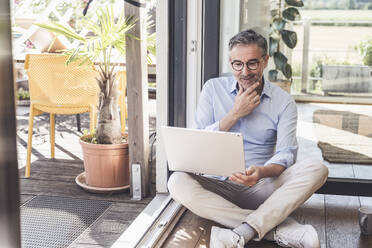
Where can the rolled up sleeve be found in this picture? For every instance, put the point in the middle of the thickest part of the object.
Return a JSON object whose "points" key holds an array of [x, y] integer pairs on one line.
{"points": [[286, 144], [204, 118]]}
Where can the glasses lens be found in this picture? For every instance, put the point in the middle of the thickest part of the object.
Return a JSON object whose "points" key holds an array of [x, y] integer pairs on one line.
{"points": [[237, 65], [252, 65]]}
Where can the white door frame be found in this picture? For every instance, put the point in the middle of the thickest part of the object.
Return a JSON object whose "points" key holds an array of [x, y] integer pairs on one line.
{"points": [[194, 58], [162, 58]]}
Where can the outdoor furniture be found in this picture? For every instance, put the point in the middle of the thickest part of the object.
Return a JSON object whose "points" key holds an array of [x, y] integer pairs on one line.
{"points": [[58, 89], [347, 79]]}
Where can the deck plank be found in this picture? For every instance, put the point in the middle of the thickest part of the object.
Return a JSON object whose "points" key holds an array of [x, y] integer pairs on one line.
{"points": [[363, 171], [340, 170], [54, 169], [187, 232], [342, 227]]}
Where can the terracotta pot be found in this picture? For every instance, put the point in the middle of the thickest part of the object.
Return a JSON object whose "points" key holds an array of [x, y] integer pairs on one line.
{"points": [[106, 166]]}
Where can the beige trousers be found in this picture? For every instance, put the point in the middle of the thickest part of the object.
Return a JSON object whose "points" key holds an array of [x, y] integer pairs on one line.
{"points": [[263, 206]]}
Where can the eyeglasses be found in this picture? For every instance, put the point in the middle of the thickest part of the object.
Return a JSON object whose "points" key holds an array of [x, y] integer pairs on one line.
{"points": [[252, 64]]}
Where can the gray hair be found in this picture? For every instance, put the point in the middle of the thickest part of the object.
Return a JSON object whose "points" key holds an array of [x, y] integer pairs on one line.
{"points": [[248, 37]]}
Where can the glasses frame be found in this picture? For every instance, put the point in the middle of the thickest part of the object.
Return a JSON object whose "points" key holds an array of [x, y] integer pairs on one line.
{"points": [[257, 64]]}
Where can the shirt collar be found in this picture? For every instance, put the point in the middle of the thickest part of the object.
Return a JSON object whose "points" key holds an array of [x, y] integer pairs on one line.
{"points": [[265, 91], [267, 88]]}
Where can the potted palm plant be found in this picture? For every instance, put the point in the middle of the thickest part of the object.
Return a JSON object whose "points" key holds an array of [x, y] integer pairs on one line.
{"points": [[105, 151], [282, 13]]}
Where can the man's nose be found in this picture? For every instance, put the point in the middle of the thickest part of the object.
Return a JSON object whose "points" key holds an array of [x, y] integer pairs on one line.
{"points": [[245, 70]]}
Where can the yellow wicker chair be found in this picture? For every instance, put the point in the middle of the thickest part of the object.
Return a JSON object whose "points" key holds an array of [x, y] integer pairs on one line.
{"points": [[58, 89]]}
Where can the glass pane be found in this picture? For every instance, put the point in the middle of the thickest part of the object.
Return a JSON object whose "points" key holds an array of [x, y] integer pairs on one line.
{"points": [[335, 63], [339, 51]]}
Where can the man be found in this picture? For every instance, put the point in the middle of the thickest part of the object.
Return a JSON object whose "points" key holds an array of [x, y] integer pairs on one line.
{"points": [[255, 204]]}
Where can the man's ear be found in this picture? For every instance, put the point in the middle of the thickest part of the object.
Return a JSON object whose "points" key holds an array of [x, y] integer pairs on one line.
{"points": [[266, 60]]}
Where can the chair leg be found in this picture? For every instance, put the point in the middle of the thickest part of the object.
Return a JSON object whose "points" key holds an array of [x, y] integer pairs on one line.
{"points": [[123, 113], [52, 135], [123, 106], [29, 142], [78, 122], [125, 110]]}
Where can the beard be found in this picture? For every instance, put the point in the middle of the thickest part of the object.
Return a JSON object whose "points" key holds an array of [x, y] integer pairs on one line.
{"points": [[248, 80]]}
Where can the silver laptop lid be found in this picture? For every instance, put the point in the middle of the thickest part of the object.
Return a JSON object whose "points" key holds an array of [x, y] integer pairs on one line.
{"points": [[203, 151]]}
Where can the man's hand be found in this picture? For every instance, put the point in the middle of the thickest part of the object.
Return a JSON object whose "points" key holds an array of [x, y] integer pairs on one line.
{"points": [[254, 173], [250, 178], [246, 101]]}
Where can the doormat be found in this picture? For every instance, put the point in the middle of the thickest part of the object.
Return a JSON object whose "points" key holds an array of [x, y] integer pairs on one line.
{"points": [[343, 136], [50, 221]]}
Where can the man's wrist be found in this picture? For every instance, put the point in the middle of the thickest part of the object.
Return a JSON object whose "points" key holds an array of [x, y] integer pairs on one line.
{"points": [[272, 170], [234, 115], [261, 172]]}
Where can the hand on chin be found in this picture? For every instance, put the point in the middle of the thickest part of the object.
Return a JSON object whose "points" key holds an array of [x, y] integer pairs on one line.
{"points": [[245, 83]]}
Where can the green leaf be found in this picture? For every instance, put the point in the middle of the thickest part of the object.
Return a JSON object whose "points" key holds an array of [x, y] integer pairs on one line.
{"points": [[280, 60], [278, 23], [291, 14], [289, 38], [273, 46], [287, 71], [273, 75], [84, 61], [296, 3]]}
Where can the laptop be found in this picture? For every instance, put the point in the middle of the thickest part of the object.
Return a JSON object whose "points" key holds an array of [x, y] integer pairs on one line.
{"points": [[203, 151]]}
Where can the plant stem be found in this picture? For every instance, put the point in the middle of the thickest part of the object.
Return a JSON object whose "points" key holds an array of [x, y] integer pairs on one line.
{"points": [[109, 71], [280, 16]]}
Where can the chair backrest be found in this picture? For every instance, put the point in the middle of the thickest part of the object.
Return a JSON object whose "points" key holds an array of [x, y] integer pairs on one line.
{"points": [[52, 82], [122, 77]]}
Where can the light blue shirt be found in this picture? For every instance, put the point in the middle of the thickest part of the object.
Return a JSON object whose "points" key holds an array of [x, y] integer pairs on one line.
{"points": [[269, 131]]}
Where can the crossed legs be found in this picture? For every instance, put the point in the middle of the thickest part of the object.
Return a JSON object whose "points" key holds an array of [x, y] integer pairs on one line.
{"points": [[262, 206]]}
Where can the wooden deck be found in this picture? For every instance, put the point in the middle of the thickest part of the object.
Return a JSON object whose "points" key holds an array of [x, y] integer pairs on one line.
{"points": [[57, 177], [334, 217]]}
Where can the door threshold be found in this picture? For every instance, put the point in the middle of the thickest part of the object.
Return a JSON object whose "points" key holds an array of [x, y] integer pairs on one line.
{"points": [[153, 224]]}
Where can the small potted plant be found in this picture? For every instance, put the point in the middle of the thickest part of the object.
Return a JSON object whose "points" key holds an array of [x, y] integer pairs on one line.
{"points": [[282, 13], [105, 151], [365, 50]]}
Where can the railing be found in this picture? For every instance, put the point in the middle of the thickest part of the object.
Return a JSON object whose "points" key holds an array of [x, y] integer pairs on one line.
{"points": [[307, 23]]}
